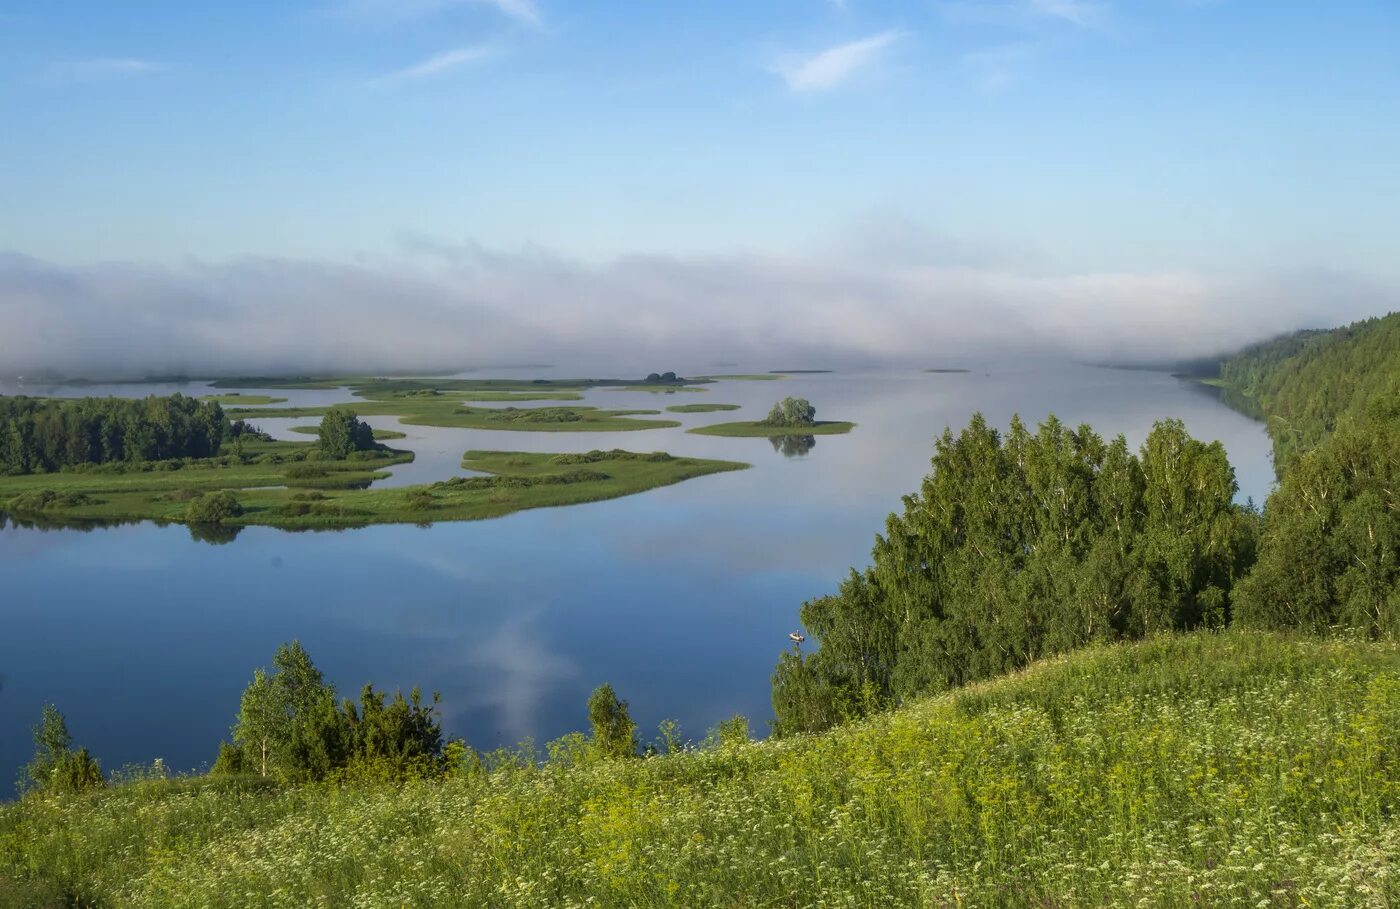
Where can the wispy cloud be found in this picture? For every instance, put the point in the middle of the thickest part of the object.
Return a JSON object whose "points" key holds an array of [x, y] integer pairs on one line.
{"points": [[101, 69], [391, 11], [1079, 12], [438, 64], [1027, 14], [832, 67], [997, 68]]}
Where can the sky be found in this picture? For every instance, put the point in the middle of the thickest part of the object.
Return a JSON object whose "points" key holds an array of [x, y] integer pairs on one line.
{"points": [[1128, 179]]}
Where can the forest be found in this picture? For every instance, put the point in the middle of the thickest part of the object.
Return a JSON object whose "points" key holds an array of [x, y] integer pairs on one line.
{"points": [[1024, 545], [39, 435]]}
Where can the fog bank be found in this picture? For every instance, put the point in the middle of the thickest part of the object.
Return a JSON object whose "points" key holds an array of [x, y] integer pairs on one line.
{"points": [[434, 306]]}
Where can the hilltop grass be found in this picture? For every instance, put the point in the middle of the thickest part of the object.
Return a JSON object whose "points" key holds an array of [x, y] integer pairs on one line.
{"points": [[757, 428], [241, 400], [285, 485], [380, 435], [1211, 769], [701, 408]]}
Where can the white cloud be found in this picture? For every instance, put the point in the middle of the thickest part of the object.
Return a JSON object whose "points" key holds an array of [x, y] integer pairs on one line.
{"points": [[391, 11], [438, 64], [828, 69], [101, 69]]}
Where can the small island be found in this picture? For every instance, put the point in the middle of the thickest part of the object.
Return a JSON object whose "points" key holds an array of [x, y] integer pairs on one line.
{"points": [[789, 417], [701, 408], [236, 399]]}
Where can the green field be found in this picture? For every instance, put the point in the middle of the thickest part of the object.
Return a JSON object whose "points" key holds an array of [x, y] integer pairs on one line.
{"points": [[1214, 769], [700, 408], [235, 399], [757, 429]]}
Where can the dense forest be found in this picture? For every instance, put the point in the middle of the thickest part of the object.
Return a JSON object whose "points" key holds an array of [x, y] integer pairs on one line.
{"points": [[1308, 384], [1023, 545], [39, 435]]}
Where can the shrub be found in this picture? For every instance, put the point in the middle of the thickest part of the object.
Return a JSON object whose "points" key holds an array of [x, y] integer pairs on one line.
{"points": [[213, 508]]}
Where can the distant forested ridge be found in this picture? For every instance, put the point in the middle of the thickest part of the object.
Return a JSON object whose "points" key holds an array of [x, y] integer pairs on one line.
{"points": [[39, 435], [1329, 553], [1305, 385]]}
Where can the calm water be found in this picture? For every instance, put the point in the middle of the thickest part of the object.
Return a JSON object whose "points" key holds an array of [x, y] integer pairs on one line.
{"points": [[681, 597]]}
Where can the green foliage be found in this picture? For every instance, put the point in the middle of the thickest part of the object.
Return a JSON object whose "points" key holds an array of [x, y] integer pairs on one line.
{"points": [[1329, 554], [342, 432], [730, 733], [1308, 384], [614, 733], [1019, 547], [290, 727], [400, 739], [39, 435], [213, 508], [1215, 769], [56, 766], [791, 412]]}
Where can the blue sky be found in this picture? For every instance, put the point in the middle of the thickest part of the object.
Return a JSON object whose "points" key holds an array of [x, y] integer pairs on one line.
{"points": [[1221, 140]]}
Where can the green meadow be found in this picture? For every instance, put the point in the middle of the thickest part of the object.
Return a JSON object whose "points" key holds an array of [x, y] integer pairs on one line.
{"points": [[1211, 769]]}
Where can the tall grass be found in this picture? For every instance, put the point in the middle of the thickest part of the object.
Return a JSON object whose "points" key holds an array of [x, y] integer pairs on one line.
{"points": [[1205, 770]]}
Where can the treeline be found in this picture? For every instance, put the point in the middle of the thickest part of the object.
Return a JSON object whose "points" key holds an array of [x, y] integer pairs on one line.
{"points": [[1329, 553], [39, 435], [1308, 384], [1019, 546]]}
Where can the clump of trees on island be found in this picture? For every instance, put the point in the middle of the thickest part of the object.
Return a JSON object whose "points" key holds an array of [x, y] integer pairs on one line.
{"points": [[662, 378], [342, 433], [791, 412], [40, 435]]}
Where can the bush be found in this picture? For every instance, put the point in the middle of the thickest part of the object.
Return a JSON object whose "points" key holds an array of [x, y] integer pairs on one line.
{"points": [[791, 412], [213, 508]]}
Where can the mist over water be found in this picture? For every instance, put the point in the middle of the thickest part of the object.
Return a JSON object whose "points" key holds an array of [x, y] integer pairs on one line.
{"points": [[680, 597]]}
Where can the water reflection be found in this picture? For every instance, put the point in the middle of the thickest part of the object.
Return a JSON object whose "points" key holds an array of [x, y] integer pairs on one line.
{"points": [[793, 446], [214, 534]]}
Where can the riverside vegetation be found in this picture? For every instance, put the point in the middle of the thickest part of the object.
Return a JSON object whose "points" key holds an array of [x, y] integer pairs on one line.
{"points": [[1073, 675]]}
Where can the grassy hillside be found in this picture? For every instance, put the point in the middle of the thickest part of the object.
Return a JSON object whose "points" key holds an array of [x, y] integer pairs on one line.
{"points": [[1211, 769], [1307, 384]]}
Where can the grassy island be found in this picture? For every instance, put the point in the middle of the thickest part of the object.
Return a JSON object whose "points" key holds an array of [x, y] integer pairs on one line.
{"points": [[235, 399], [284, 485], [380, 435], [701, 408], [450, 412], [760, 429]]}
